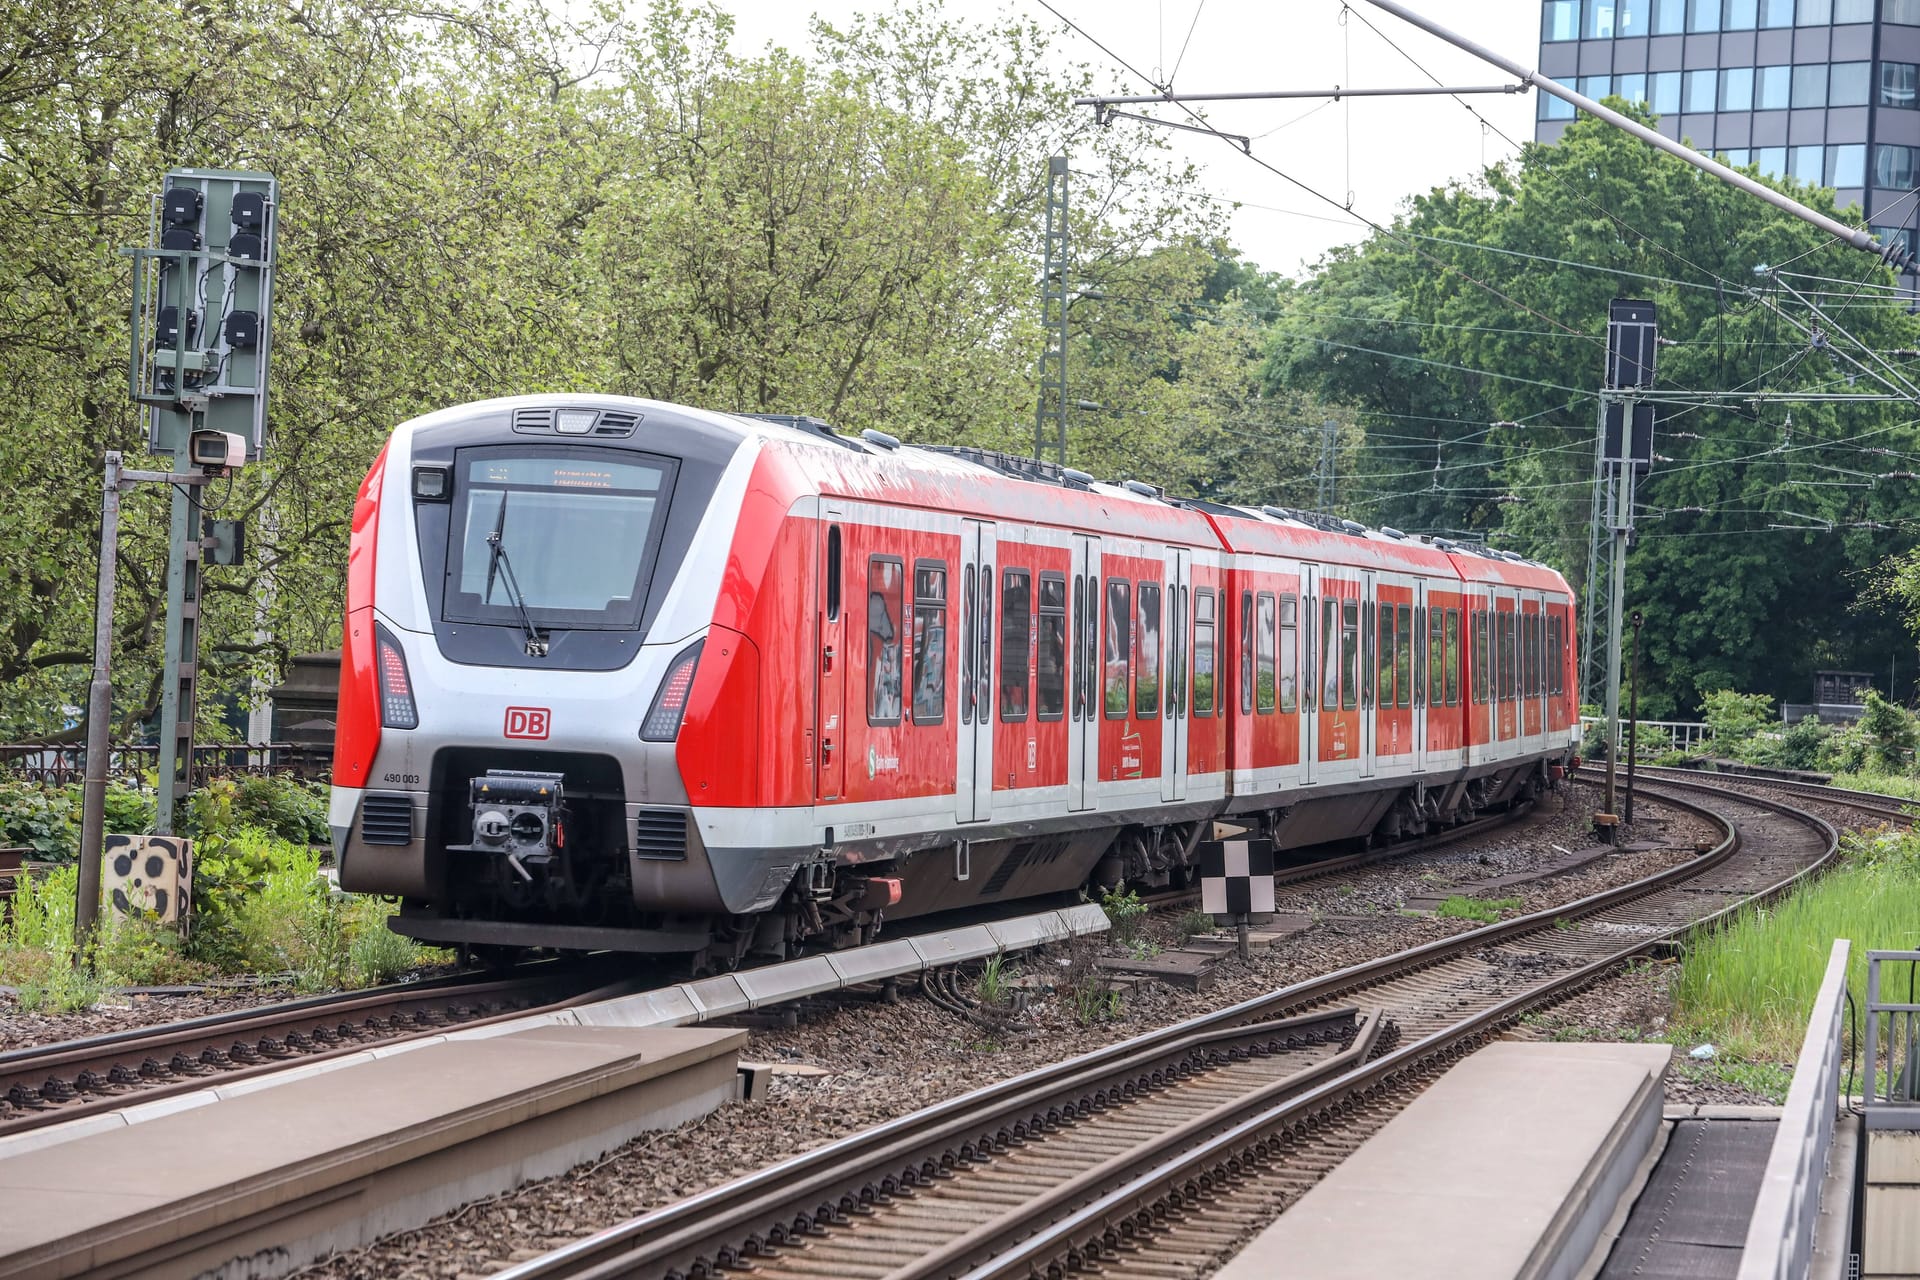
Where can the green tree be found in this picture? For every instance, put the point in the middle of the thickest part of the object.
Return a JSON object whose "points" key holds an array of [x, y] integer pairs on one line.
{"points": [[1470, 339]]}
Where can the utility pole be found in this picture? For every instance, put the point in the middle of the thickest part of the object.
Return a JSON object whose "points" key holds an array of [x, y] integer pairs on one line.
{"points": [[93, 790], [1050, 414]]}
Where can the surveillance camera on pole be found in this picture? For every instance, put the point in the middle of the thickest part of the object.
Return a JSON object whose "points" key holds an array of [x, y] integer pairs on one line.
{"points": [[217, 452]]}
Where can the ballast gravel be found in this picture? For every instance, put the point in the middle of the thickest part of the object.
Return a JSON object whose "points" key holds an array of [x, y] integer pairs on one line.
{"points": [[850, 1054]]}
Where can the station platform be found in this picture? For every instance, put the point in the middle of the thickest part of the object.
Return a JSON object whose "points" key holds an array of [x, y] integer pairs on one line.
{"points": [[270, 1180], [1510, 1165]]}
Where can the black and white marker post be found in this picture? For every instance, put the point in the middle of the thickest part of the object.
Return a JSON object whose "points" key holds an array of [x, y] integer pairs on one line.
{"points": [[1236, 882]]}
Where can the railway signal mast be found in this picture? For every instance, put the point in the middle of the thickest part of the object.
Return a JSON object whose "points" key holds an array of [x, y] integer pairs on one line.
{"points": [[201, 333], [1625, 453]]}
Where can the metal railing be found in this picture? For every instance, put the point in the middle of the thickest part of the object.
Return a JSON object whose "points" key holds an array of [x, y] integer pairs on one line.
{"points": [[61, 764], [1656, 737], [1780, 1234], [1891, 1072]]}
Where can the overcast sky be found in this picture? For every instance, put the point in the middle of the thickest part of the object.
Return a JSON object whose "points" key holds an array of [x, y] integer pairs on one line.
{"points": [[1382, 150]]}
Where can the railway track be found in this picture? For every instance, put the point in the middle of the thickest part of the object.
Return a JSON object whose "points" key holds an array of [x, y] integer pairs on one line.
{"points": [[1154, 1156], [1873, 804], [1322, 868], [54, 1083]]}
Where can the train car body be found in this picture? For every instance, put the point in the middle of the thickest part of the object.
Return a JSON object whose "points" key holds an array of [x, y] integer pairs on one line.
{"points": [[622, 674]]}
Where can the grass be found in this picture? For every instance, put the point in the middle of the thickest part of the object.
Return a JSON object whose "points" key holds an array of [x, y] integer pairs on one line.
{"points": [[1126, 913], [1484, 910], [260, 906], [1750, 987], [994, 985], [1886, 784], [1195, 924]]}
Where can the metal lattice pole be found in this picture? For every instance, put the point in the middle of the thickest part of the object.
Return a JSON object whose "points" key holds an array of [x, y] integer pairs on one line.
{"points": [[1050, 414]]}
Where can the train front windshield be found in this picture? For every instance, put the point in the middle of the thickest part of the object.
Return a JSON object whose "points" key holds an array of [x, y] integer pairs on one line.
{"points": [[568, 533]]}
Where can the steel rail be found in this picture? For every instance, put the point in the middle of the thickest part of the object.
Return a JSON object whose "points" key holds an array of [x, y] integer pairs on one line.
{"points": [[1869, 801], [1112, 1215], [72, 1080], [845, 1176]]}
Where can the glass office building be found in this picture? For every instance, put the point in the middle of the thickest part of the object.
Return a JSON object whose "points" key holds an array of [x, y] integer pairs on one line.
{"points": [[1823, 91]]}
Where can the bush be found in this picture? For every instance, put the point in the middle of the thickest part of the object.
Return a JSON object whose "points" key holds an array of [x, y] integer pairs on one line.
{"points": [[1891, 734], [377, 954], [283, 807], [42, 819], [1737, 720], [1800, 746], [1125, 914]]}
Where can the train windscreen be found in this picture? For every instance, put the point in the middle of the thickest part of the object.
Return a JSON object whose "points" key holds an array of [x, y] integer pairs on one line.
{"points": [[565, 534]]}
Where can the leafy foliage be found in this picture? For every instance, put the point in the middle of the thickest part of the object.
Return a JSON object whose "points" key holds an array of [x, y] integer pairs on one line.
{"points": [[1469, 341]]}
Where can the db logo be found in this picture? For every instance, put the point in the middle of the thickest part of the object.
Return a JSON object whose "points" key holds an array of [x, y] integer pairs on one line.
{"points": [[528, 722]]}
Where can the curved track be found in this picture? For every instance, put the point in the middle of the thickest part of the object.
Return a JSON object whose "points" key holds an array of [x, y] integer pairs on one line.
{"points": [[973, 1187], [66, 1081]]}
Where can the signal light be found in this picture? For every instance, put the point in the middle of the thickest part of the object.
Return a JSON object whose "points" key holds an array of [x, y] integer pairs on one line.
{"points": [[243, 330], [396, 686], [670, 704], [245, 244], [249, 211], [180, 206], [167, 330]]}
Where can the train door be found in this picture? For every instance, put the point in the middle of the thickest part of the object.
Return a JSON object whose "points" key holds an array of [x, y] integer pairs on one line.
{"points": [[1370, 696], [1506, 666], [973, 784], [1534, 721], [1178, 622], [1308, 676], [1083, 736], [830, 685], [1419, 648]]}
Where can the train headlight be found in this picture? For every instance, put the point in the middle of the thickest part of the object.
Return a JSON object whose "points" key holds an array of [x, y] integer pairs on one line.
{"points": [[396, 686], [670, 704]]}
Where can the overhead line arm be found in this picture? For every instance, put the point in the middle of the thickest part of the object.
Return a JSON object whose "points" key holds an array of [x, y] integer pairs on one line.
{"points": [[1856, 237]]}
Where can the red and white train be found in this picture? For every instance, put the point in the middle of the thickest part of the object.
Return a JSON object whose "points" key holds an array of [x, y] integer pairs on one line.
{"points": [[628, 675]]}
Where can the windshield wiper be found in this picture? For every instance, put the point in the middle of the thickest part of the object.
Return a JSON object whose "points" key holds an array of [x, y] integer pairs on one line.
{"points": [[497, 560]]}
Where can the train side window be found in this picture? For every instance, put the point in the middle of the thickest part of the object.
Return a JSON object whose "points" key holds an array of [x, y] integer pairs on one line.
{"points": [[1366, 654], [929, 641], [1146, 678], [1451, 663], [1403, 657], [1309, 684], [1016, 621], [1480, 655], [1118, 651], [1265, 677], [1349, 655], [1246, 653], [1436, 657], [1329, 653], [1556, 655], [1420, 655], [969, 586], [1385, 655], [1050, 675], [1505, 660], [1204, 655], [833, 573], [886, 584], [1091, 640], [1288, 679]]}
